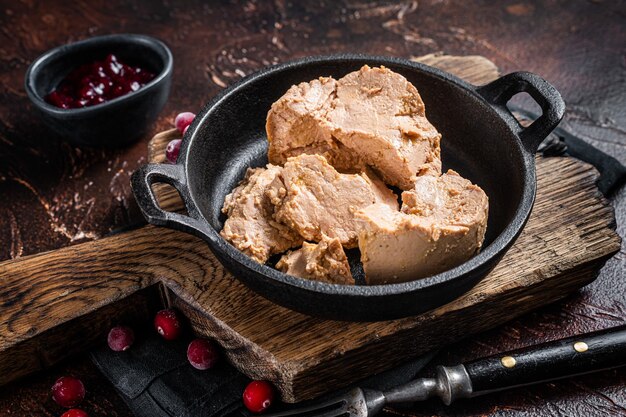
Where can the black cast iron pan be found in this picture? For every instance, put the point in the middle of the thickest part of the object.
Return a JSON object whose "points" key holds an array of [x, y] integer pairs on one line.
{"points": [[481, 140]]}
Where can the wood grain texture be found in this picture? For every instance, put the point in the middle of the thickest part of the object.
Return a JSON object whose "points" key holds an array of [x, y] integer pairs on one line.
{"points": [[56, 304], [46, 346], [474, 69]]}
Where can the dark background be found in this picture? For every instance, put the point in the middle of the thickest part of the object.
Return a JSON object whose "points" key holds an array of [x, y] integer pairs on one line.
{"points": [[53, 195]]}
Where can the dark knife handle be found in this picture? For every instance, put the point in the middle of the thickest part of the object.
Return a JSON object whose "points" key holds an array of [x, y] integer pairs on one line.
{"points": [[548, 361]]}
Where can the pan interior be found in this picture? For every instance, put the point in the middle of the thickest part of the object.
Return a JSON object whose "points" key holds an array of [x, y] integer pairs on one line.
{"points": [[475, 141]]}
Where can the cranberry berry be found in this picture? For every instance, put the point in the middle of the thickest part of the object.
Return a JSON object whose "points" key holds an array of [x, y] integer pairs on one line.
{"points": [[183, 120], [75, 412], [172, 150], [258, 396], [68, 391], [167, 324], [202, 354], [120, 338]]}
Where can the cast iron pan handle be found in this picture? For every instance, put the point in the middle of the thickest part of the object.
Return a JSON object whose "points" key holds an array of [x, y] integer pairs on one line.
{"points": [[141, 182], [500, 91]]}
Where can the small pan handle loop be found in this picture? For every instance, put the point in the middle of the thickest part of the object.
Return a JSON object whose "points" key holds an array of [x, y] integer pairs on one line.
{"points": [[500, 91], [141, 182]]}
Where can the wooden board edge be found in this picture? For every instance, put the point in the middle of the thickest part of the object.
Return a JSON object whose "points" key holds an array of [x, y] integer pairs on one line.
{"points": [[10, 276], [83, 332]]}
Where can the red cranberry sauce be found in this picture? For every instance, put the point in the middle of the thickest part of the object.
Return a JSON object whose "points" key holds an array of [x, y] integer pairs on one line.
{"points": [[97, 82]]}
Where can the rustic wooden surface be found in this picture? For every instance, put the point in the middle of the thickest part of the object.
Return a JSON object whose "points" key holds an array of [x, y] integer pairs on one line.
{"points": [[57, 195]]}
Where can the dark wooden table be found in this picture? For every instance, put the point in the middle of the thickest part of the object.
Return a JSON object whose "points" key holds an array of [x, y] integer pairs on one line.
{"points": [[53, 194]]}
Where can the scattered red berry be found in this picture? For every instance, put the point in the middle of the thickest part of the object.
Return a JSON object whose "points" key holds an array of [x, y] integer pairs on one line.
{"points": [[167, 324], [120, 338], [202, 354], [185, 130], [183, 120], [75, 412], [172, 150], [68, 391], [258, 396]]}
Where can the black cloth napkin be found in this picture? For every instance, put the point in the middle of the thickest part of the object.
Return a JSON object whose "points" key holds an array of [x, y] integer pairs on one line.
{"points": [[155, 380]]}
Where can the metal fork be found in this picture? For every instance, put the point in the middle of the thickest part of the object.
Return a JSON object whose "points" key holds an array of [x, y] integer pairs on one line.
{"points": [[549, 361], [450, 383]]}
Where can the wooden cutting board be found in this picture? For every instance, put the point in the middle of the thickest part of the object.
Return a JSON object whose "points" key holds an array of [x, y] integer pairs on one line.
{"points": [[55, 304]]}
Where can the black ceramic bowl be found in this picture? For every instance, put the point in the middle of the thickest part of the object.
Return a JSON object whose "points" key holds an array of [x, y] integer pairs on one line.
{"points": [[481, 140], [116, 122]]}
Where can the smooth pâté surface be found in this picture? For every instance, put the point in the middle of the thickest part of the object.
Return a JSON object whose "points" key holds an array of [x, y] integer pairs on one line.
{"points": [[56, 195]]}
